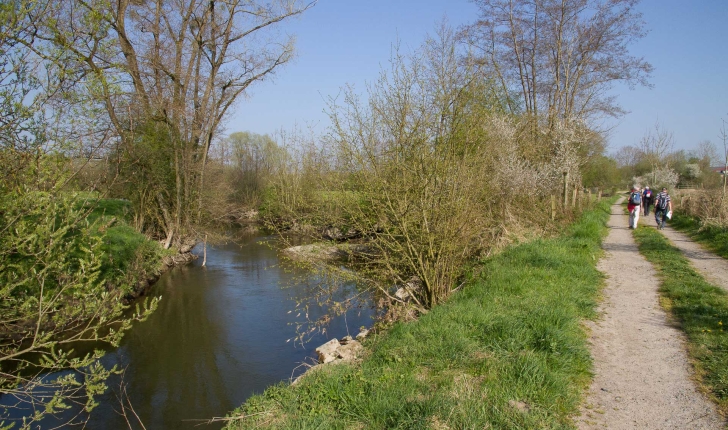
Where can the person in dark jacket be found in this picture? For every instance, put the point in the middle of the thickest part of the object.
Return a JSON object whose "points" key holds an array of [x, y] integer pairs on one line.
{"points": [[663, 205], [647, 200]]}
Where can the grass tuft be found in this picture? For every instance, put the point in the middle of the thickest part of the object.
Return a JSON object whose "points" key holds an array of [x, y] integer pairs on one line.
{"points": [[700, 307], [508, 351]]}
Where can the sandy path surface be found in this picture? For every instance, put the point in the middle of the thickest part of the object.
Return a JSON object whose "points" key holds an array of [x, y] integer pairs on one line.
{"points": [[642, 375], [714, 268]]}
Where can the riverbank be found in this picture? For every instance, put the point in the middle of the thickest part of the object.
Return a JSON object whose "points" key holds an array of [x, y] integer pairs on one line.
{"points": [[132, 263], [508, 350]]}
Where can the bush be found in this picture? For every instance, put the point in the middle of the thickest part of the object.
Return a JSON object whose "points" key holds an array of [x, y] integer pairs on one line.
{"points": [[53, 289], [708, 206]]}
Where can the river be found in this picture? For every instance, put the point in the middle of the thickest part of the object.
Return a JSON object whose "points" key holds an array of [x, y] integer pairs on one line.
{"points": [[220, 334]]}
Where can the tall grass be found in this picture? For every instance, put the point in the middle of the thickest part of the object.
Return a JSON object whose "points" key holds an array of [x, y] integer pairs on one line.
{"points": [[700, 307], [508, 351]]}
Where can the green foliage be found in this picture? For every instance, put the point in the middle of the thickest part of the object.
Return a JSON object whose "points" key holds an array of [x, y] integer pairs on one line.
{"points": [[432, 172], [700, 307], [601, 171], [129, 257], [513, 334], [46, 246], [56, 283], [254, 158], [148, 172]]}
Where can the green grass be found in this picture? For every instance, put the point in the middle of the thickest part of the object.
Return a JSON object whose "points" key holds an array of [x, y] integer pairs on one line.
{"points": [[700, 307], [513, 334], [713, 237], [129, 256], [108, 208]]}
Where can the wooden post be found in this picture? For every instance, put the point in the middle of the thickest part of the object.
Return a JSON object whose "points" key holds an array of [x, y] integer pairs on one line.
{"points": [[580, 196], [599, 196], [553, 207], [566, 189], [589, 201], [573, 198]]}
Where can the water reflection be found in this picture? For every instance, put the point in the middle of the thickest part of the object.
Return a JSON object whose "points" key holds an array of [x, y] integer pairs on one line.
{"points": [[218, 336]]}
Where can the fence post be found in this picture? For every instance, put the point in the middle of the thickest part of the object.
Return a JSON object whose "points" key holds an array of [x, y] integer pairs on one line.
{"points": [[580, 196], [553, 207]]}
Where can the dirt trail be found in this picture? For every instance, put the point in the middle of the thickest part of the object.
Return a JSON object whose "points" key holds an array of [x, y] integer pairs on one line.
{"points": [[713, 267], [642, 375]]}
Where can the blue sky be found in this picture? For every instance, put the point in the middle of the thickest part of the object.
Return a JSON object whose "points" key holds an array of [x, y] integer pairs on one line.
{"points": [[342, 42]]}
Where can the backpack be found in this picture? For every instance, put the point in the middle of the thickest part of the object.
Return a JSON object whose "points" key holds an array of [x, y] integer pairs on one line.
{"points": [[648, 194], [635, 199], [662, 202]]}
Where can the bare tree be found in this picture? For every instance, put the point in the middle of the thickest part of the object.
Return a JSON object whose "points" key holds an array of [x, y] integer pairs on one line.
{"points": [[723, 136], [628, 156], [706, 151], [167, 73], [656, 144], [560, 58]]}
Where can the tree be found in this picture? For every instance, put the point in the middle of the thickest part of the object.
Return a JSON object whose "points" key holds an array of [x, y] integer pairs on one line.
{"points": [[561, 57], [255, 158], [167, 74], [656, 145], [706, 153], [723, 135], [433, 172], [601, 171]]}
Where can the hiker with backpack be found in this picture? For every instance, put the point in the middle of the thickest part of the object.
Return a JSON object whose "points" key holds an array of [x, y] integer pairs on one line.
{"points": [[634, 205], [647, 200], [663, 208]]}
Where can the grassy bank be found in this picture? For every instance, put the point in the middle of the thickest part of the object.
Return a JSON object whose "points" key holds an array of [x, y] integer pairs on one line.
{"points": [[128, 256], [713, 237], [700, 307], [508, 351]]}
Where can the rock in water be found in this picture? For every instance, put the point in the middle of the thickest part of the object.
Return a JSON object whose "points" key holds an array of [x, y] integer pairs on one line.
{"points": [[349, 351], [327, 351]]}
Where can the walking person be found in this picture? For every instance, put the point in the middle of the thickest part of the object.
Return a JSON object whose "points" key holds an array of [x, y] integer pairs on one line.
{"points": [[634, 205], [663, 206], [647, 200]]}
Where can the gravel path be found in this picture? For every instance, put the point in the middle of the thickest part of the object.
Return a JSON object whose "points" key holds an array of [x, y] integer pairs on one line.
{"points": [[642, 375], [714, 268]]}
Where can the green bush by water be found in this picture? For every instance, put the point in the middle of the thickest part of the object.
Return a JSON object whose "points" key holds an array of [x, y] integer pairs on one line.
{"points": [[508, 351], [128, 256], [700, 307]]}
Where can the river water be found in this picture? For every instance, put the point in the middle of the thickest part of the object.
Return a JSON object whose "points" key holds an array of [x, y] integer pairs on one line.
{"points": [[218, 336]]}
